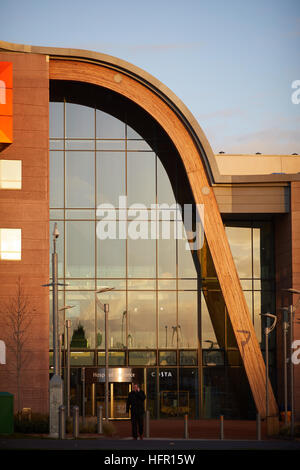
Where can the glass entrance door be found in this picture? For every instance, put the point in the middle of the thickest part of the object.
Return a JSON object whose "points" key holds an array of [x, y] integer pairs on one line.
{"points": [[118, 392]]}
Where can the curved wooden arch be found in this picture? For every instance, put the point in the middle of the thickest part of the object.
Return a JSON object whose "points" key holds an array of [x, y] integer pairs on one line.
{"points": [[138, 92]]}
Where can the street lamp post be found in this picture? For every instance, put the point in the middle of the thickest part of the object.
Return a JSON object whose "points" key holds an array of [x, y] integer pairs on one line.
{"points": [[56, 384], [292, 309], [67, 369], [285, 329], [105, 308], [267, 332]]}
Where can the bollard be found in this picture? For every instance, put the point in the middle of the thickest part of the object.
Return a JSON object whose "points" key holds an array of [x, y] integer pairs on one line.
{"points": [[147, 423], [75, 422], [258, 427], [62, 422], [221, 427], [186, 429], [100, 419]]}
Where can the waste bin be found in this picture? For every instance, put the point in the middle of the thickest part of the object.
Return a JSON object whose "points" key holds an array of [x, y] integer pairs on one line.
{"points": [[6, 413]]}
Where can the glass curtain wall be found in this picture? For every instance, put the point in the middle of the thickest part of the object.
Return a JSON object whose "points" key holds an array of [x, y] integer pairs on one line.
{"points": [[165, 315]]}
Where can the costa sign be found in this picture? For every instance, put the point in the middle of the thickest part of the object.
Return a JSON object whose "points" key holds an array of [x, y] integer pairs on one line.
{"points": [[6, 103]]}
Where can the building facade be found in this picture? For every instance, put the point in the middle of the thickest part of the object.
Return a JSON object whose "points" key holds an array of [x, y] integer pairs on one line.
{"points": [[111, 156]]}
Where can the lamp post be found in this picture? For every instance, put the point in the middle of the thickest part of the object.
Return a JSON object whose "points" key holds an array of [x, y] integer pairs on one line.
{"points": [[267, 332], [285, 329], [68, 370], [56, 384], [105, 308], [292, 309]]}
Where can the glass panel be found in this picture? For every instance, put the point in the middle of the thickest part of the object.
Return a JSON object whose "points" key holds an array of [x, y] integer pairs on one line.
{"points": [[141, 319], [56, 214], [80, 180], [80, 144], [116, 283], [111, 256], [240, 243], [114, 358], [138, 145], [56, 117], [110, 177], [117, 318], [108, 127], [187, 284], [80, 121], [82, 214], [214, 392], [166, 285], [267, 251], [142, 358], [256, 253], [110, 145], [186, 265], [142, 256], [187, 331], [188, 358], [141, 178], [167, 250], [188, 392], [165, 191], [168, 392], [167, 320], [56, 144], [56, 162], [81, 358], [151, 392], [86, 284], [80, 249], [144, 284], [213, 357], [82, 317], [167, 358]]}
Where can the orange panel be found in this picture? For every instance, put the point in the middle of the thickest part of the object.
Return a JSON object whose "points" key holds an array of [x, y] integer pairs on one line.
{"points": [[6, 103], [6, 129], [6, 73]]}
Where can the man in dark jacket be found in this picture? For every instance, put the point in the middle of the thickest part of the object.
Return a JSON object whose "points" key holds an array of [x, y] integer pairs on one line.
{"points": [[135, 403]]}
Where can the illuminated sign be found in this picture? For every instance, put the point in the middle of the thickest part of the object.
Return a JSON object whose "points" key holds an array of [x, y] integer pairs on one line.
{"points": [[6, 103]]}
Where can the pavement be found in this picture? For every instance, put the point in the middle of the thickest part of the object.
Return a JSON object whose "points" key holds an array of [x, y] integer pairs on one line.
{"points": [[165, 435]]}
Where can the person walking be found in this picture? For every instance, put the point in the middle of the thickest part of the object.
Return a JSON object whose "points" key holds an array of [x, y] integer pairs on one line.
{"points": [[135, 403]]}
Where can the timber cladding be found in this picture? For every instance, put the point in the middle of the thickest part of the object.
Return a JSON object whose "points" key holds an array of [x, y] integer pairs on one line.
{"points": [[162, 112]]}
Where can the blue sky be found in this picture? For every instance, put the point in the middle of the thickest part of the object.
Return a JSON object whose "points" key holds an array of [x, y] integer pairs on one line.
{"points": [[231, 62]]}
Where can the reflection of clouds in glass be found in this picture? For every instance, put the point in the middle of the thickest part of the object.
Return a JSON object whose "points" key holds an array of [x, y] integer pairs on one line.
{"points": [[142, 319], [240, 243], [188, 319]]}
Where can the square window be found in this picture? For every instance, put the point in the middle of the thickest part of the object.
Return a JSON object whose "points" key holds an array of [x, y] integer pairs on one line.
{"points": [[10, 244], [10, 174]]}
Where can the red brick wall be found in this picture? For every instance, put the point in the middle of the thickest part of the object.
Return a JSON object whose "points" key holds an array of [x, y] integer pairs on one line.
{"points": [[28, 209]]}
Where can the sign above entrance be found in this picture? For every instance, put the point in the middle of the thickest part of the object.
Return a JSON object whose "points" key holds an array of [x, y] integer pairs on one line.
{"points": [[116, 374]]}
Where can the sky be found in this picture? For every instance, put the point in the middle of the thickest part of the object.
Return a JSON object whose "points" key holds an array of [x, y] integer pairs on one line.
{"points": [[231, 62]]}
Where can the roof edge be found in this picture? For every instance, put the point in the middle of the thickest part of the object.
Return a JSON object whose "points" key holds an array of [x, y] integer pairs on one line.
{"points": [[165, 93]]}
